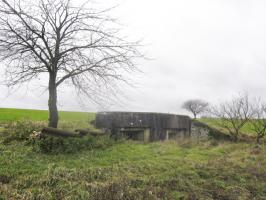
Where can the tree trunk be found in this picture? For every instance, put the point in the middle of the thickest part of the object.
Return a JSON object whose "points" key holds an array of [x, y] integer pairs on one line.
{"points": [[258, 139], [195, 115], [52, 102], [235, 136]]}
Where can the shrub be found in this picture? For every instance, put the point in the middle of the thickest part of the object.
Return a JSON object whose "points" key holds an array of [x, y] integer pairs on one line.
{"points": [[29, 132], [51, 144], [21, 130]]}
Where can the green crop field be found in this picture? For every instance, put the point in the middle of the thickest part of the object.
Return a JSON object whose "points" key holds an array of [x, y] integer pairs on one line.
{"points": [[67, 119], [10, 114]]}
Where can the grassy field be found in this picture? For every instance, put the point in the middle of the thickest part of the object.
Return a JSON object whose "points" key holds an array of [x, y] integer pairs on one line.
{"points": [[11, 114], [80, 119], [130, 170], [67, 120], [126, 170], [212, 122]]}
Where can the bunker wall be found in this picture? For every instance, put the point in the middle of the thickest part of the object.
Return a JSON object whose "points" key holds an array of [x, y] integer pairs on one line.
{"points": [[159, 124]]}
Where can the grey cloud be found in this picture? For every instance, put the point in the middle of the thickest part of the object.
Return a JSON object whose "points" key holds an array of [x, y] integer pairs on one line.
{"points": [[200, 49]]}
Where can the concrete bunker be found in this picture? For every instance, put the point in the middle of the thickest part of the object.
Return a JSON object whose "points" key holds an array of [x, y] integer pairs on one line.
{"points": [[144, 126]]}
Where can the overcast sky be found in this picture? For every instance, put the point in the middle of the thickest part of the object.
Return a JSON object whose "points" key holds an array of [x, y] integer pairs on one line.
{"points": [[207, 49]]}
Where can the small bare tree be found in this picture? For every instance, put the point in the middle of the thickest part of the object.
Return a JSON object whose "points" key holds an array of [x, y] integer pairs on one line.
{"points": [[258, 123], [195, 106], [79, 46], [233, 115]]}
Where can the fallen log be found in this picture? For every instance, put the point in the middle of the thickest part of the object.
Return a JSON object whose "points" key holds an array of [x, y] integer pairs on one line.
{"points": [[82, 131], [59, 132], [89, 132], [96, 133]]}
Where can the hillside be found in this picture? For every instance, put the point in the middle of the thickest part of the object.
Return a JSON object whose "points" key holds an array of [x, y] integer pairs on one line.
{"points": [[215, 123], [127, 170]]}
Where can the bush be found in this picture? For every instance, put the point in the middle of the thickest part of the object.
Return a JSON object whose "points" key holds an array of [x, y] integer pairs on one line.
{"points": [[29, 132], [51, 144], [21, 130]]}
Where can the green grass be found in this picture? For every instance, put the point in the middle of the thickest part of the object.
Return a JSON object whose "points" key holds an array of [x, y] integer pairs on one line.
{"points": [[215, 123], [131, 170], [11, 114], [67, 119], [126, 170]]}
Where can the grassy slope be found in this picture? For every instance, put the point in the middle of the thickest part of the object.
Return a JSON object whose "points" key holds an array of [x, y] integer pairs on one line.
{"points": [[128, 170], [215, 124], [192, 170]]}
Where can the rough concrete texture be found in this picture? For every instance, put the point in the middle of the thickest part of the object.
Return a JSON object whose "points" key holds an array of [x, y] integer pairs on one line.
{"points": [[199, 131], [149, 126]]}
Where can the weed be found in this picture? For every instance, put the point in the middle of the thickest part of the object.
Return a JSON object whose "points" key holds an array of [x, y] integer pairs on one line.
{"points": [[51, 144], [21, 130]]}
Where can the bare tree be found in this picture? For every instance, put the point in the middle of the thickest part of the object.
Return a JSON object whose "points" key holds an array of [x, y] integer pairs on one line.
{"points": [[75, 45], [233, 115], [258, 123], [195, 106]]}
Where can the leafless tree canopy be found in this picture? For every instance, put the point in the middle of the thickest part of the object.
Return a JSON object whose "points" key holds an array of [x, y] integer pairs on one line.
{"points": [[79, 45], [258, 122], [233, 115], [195, 106]]}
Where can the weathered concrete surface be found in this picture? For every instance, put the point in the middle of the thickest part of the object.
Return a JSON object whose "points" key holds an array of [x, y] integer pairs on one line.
{"points": [[153, 126], [199, 129]]}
